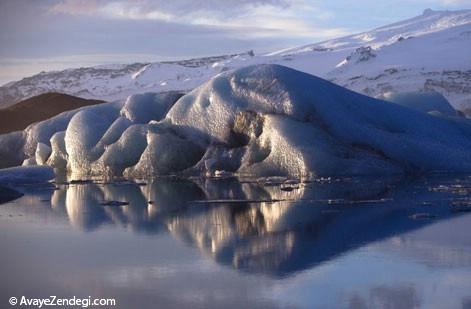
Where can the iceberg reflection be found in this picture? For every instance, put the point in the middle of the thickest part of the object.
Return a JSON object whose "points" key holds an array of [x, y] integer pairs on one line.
{"points": [[261, 227]]}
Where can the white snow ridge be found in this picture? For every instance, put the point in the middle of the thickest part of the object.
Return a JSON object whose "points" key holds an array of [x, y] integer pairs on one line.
{"points": [[261, 120]]}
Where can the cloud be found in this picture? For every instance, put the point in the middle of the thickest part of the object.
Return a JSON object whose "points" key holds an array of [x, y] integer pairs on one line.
{"points": [[176, 7], [456, 2], [268, 22], [250, 18], [77, 7]]}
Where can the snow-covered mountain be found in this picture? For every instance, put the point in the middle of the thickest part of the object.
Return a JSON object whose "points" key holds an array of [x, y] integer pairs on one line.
{"points": [[427, 52], [439, 61]]}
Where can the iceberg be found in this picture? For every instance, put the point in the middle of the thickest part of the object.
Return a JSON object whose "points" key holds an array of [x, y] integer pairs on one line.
{"points": [[8, 194], [26, 175], [429, 102], [261, 120]]}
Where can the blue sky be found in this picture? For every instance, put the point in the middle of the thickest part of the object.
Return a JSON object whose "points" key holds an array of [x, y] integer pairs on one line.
{"points": [[55, 34]]}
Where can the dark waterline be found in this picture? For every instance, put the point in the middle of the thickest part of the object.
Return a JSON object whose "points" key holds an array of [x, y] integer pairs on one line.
{"points": [[210, 243]]}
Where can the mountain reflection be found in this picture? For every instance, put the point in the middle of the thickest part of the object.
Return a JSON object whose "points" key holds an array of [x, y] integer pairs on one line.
{"points": [[261, 228]]}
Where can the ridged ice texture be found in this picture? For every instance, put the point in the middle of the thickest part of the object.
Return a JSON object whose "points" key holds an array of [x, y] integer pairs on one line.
{"points": [[260, 120]]}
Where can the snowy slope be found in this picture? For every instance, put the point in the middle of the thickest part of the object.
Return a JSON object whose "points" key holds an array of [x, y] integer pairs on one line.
{"points": [[262, 120], [113, 82], [439, 61], [427, 52], [429, 22]]}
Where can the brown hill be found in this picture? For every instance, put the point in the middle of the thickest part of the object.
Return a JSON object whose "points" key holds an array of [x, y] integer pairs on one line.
{"points": [[20, 115]]}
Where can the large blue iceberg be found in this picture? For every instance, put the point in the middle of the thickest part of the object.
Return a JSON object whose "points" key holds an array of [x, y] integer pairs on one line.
{"points": [[261, 120]]}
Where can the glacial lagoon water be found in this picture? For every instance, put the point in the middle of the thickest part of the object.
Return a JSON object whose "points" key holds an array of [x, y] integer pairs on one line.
{"points": [[212, 243]]}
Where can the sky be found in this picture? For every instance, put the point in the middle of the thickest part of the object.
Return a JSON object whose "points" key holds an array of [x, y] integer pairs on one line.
{"points": [[43, 35]]}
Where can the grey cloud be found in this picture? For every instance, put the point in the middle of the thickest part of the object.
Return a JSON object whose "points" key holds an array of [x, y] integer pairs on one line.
{"points": [[220, 7]]}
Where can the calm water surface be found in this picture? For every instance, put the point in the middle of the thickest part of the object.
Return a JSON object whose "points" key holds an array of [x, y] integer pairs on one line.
{"points": [[225, 243]]}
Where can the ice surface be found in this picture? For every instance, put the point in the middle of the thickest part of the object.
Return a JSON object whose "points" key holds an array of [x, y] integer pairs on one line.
{"points": [[43, 152], [142, 108], [82, 136], [429, 102], [11, 149], [58, 157], [166, 153], [26, 174], [125, 152], [262, 120]]}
